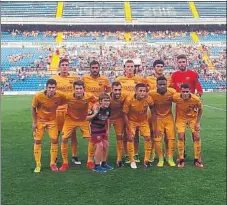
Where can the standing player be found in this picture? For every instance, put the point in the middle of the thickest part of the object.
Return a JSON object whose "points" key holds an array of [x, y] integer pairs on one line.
{"points": [[135, 115], [65, 85], [78, 103], [116, 119], [44, 106], [128, 82], [158, 66], [100, 127], [188, 113], [95, 84], [163, 97], [184, 75]]}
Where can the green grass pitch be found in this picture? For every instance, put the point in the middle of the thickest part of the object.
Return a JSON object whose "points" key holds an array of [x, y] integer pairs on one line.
{"points": [[78, 185]]}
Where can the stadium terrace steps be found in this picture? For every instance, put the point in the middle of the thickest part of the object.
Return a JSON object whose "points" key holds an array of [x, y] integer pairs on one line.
{"points": [[112, 9]]}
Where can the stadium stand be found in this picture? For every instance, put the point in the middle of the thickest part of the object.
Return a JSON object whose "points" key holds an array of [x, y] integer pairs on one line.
{"points": [[28, 9], [27, 68]]}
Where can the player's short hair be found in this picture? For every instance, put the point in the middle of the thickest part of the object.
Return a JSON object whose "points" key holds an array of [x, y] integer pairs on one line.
{"points": [[140, 85], [94, 62], [116, 83], [79, 83], [104, 96], [63, 60], [156, 62], [182, 56], [51, 82], [184, 85], [128, 61], [162, 77]]}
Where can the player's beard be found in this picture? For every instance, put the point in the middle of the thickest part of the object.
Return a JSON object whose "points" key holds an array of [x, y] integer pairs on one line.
{"points": [[95, 74], [182, 68], [162, 91], [185, 96], [117, 96]]}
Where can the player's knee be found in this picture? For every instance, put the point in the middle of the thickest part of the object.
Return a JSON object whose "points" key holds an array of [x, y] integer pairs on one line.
{"points": [[37, 141], [181, 136], [99, 146], [119, 137], [195, 136], [147, 139], [54, 141], [64, 140]]}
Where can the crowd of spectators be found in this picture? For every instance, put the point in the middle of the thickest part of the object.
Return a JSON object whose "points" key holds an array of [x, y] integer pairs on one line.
{"points": [[136, 36]]}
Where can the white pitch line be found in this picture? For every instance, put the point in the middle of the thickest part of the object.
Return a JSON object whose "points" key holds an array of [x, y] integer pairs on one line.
{"points": [[216, 108]]}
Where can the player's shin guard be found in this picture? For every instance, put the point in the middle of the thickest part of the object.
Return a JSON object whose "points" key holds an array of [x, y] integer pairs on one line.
{"points": [[171, 147], [130, 147], [197, 149], [64, 152], [91, 151], [158, 148], [119, 150], [53, 153], [37, 154], [166, 147], [74, 146], [180, 146], [152, 155], [147, 150]]}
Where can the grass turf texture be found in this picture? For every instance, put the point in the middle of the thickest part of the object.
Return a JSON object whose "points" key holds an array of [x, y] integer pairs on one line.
{"points": [[78, 185]]}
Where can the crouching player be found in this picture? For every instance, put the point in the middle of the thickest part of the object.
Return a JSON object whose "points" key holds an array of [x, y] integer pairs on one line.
{"points": [[188, 113], [78, 103], [100, 131], [135, 115], [44, 106]]}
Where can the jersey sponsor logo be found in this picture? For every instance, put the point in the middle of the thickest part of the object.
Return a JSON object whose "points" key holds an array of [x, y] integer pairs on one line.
{"points": [[65, 88]]}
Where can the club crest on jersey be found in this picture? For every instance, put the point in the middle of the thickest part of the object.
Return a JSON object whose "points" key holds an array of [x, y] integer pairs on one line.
{"points": [[187, 78], [71, 81], [100, 83]]}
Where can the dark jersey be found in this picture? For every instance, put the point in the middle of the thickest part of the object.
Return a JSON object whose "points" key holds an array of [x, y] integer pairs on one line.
{"points": [[99, 122]]}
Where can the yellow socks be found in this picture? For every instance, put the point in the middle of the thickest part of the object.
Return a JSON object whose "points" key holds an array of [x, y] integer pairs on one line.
{"points": [[130, 147], [53, 153], [64, 152], [158, 148], [74, 146], [197, 149], [91, 150], [147, 150], [180, 145], [171, 147], [119, 150], [37, 154]]}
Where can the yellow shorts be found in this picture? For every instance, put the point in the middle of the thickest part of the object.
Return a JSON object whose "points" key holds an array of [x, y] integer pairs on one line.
{"points": [[182, 124], [70, 125], [49, 126], [143, 127], [60, 117], [165, 126], [118, 126]]}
